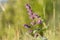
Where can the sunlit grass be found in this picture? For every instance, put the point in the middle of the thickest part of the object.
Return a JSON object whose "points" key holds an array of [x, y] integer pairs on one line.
{"points": [[15, 16]]}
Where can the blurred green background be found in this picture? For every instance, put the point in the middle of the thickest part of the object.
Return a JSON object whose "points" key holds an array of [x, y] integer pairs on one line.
{"points": [[13, 15]]}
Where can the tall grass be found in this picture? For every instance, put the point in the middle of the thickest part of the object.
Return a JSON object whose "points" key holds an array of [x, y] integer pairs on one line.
{"points": [[15, 15]]}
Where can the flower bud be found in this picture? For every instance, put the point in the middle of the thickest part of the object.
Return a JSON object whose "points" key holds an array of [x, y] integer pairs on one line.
{"points": [[27, 26], [36, 16], [39, 21], [28, 6]]}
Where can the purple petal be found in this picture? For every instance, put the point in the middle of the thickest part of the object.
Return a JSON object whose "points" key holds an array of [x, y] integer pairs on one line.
{"points": [[28, 6], [29, 9], [30, 12], [31, 17]]}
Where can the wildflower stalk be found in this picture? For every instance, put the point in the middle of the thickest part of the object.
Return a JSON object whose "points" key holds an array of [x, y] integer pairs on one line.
{"points": [[36, 20]]}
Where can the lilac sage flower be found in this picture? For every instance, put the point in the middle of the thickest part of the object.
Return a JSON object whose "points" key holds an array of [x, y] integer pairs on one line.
{"points": [[29, 9], [36, 19], [30, 12]]}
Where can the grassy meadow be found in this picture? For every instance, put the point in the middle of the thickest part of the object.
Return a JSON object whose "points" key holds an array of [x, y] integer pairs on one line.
{"points": [[15, 16]]}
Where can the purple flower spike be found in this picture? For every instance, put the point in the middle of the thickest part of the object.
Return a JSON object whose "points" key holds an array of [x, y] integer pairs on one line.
{"points": [[29, 9], [27, 26]]}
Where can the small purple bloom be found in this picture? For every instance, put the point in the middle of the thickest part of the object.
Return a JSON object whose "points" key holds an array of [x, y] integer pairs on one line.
{"points": [[27, 26], [30, 12], [28, 6], [39, 21], [31, 17]]}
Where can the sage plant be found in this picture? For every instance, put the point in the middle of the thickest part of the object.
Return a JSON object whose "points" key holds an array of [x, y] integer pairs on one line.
{"points": [[36, 26]]}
